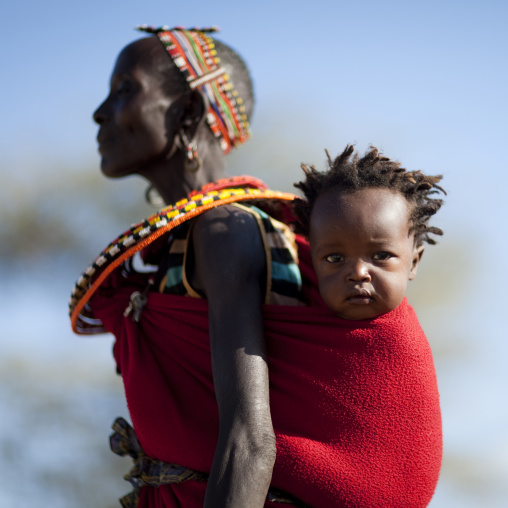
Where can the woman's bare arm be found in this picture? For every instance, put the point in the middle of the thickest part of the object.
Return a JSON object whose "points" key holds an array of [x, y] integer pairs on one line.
{"points": [[230, 269]]}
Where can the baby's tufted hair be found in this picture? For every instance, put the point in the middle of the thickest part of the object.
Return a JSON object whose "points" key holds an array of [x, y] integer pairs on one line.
{"points": [[350, 173]]}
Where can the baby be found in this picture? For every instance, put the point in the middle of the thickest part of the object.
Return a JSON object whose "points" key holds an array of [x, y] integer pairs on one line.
{"points": [[367, 220]]}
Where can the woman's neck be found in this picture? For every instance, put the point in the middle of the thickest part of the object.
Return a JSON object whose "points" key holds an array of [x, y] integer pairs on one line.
{"points": [[170, 179]]}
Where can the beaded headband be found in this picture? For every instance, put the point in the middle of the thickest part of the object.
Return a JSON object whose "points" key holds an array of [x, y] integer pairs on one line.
{"points": [[194, 53]]}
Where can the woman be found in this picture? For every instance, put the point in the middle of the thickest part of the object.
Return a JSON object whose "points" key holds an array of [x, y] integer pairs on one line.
{"points": [[184, 292], [174, 131]]}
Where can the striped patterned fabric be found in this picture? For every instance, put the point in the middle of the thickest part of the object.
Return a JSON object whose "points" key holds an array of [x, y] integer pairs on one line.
{"points": [[172, 264], [284, 281]]}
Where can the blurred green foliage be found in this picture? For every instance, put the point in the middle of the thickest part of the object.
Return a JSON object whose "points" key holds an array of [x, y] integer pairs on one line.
{"points": [[67, 213]]}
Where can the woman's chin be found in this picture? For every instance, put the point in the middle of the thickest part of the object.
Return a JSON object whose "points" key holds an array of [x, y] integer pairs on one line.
{"points": [[113, 171]]}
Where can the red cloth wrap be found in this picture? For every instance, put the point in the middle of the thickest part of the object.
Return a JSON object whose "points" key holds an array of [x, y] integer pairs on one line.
{"points": [[355, 404]]}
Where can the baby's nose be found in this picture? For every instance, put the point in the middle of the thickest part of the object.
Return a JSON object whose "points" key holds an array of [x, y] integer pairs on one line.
{"points": [[359, 272]]}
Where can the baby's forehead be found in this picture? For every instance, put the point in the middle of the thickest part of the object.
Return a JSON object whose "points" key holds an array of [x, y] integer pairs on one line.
{"points": [[368, 205], [367, 198]]}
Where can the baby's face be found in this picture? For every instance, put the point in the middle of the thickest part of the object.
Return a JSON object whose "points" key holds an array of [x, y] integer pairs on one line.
{"points": [[362, 251]]}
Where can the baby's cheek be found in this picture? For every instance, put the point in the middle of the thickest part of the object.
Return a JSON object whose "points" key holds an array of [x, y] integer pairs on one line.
{"points": [[395, 294], [330, 292]]}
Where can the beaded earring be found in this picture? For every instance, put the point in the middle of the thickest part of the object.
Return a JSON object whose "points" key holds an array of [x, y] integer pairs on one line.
{"points": [[192, 162]]}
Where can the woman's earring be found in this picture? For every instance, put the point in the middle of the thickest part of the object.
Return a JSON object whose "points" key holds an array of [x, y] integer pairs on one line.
{"points": [[192, 161], [152, 197]]}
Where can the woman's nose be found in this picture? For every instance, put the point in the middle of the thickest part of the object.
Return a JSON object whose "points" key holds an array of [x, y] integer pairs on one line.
{"points": [[100, 114], [359, 272]]}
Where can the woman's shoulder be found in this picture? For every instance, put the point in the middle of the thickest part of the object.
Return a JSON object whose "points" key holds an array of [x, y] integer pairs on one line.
{"points": [[227, 229]]}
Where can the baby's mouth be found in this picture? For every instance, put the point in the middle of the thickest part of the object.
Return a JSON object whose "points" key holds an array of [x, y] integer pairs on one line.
{"points": [[360, 297]]}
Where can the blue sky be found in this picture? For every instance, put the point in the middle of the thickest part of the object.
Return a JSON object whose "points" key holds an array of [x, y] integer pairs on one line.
{"points": [[426, 81], [422, 79]]}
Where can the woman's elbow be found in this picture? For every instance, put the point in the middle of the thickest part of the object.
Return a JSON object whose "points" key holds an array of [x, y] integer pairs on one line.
{"points": [[264, 451]]}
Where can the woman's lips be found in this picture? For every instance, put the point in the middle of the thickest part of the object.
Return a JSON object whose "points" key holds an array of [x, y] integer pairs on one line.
{"points": [[104, 143]]}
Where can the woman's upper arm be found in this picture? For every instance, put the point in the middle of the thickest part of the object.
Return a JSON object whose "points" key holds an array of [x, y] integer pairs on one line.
{"points": [[230, 270]]}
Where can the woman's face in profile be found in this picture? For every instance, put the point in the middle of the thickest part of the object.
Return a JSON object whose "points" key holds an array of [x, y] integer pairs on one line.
{"points": [[133, 119]]}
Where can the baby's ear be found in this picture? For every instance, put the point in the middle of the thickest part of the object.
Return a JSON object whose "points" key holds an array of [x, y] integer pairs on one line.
{"points": [[417, 255]]}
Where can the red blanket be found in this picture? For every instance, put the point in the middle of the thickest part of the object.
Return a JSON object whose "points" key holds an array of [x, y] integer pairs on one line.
{"points": [[355, 404]]}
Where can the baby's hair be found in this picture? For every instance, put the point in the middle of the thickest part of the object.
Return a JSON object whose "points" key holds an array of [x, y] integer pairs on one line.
{"points": [[350, 173]]}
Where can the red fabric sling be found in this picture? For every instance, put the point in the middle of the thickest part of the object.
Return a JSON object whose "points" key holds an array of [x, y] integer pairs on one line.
{"points": [[355, 404]]}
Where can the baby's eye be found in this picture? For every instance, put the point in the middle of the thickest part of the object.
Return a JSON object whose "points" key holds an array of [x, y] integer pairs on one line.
{"points": [[334, 258], [381, 256]]}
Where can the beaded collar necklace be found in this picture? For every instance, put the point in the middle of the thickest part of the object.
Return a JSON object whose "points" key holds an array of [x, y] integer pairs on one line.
{"points": [[139, 236], [194, 53]]}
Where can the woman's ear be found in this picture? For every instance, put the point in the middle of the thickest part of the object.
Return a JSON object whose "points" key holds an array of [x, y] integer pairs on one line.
{"points": [[185, 116], [195, 108], [417, 255]]}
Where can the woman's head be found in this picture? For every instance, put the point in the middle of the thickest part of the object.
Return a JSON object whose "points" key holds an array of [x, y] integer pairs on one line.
{"points": [[164, 102]]}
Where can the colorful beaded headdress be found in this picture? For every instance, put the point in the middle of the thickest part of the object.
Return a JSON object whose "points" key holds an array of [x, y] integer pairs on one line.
{"points": [[195, 55]]}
